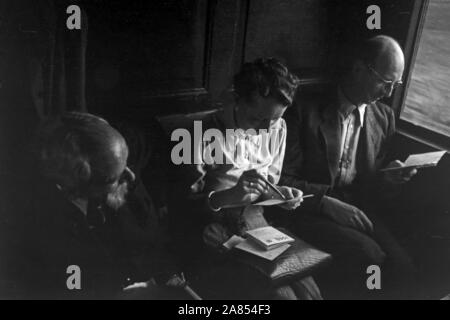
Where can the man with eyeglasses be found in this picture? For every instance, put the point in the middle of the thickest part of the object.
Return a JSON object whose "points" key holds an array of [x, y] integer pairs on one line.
{"points": [[336, 145]]}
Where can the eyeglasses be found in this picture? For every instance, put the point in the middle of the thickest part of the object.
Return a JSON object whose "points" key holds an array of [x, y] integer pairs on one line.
{"points": [[126, 175], [392, 84]]}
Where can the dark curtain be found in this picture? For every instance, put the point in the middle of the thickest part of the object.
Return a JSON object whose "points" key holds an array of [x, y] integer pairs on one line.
{"points": [[42, 71], [60, 69]]}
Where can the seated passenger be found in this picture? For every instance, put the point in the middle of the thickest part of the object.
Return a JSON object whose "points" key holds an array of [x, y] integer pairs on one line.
{"points": [[337, 143], [232, 169], [74, 234]]}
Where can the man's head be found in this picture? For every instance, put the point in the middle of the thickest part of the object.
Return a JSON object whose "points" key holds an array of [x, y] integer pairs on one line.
{"points": [[86, 157], [377, 69], [265, 88]]}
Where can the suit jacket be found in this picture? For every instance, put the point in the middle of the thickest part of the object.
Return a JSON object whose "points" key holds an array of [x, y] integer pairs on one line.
{"points": [[313, 146], [45, 233], [51, 233]]}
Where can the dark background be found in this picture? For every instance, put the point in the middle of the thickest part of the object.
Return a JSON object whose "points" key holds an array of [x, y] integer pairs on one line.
{"points": [[159, 57]]}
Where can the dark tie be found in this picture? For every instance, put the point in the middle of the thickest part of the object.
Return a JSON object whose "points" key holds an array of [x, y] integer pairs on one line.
{"points": [[95, 215], [357, 115]]}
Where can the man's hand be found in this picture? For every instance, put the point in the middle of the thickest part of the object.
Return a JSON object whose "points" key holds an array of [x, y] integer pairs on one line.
{"points": [[293, 195], [398, 176], [346, 214]]}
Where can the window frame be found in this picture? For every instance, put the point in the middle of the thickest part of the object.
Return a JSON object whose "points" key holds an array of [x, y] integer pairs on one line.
{"points": [[404, 127]]}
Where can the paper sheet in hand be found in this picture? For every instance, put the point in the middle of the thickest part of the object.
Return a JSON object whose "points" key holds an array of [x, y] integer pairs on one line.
{"points": [[251, 247], [271, 202], [274, 202], [423, 160]]}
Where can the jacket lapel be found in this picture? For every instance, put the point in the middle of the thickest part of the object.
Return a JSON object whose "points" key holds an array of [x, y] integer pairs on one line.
{"points": [[332, 132]]}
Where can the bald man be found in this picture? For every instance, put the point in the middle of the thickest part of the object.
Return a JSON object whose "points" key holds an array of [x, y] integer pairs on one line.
{"points": [[336, 145]]}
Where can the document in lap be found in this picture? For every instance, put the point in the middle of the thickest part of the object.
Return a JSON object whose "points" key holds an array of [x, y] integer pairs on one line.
{"points": [[423, 160], [269, 237], [253, 248], [249, 246], [266, 242]]}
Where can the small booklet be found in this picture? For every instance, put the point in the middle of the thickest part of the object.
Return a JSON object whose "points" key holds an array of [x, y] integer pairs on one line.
{"points": [[269, 237], [250, 246], [423, 160]]}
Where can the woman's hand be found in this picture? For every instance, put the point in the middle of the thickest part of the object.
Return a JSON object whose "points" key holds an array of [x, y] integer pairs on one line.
{"points": [[294, 196], [247, 190], [250, 187]]}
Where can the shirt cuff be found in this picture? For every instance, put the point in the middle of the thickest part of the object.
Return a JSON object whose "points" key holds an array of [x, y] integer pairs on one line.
{"points": [[208, 202]]}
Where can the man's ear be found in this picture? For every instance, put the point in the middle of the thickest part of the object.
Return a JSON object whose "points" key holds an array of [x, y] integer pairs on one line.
{"points": [[71, 172], [75, 175], [81, 172]]}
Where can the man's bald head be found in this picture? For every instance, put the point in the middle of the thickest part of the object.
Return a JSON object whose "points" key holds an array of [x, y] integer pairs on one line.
{"points": [[383, 53], [376, 70]]}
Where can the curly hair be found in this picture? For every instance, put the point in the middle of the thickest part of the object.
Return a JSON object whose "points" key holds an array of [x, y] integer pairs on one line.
{"points": [[269, 78]]}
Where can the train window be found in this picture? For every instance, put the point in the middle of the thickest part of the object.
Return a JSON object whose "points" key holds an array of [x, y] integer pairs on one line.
{"points": [[426, 101]]}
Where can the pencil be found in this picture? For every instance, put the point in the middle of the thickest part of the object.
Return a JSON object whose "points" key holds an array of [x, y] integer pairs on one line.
{"points": [[273, 187]]}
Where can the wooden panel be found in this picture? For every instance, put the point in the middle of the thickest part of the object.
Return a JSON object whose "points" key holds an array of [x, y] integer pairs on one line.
{"points": [[291, 30], [160, 45], [139, 50], [164, 56]]}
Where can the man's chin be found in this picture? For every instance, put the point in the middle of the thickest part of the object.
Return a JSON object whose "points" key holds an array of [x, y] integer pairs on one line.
{"points": [[117, 200], [115, 203], [373, 100]]}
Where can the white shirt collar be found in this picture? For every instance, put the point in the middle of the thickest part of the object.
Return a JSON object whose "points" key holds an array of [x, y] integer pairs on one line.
{"points": [[346, 107]]}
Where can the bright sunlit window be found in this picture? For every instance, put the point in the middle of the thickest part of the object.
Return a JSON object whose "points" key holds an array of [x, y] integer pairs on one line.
{"points": [[427, 101]]}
